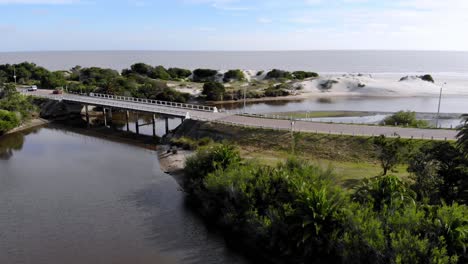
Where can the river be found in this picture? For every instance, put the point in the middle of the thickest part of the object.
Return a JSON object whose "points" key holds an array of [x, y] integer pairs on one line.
{"points": [[67, 197]]}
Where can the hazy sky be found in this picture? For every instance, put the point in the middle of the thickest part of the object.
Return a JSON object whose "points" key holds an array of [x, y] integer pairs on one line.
{"points": [[233, 24]]}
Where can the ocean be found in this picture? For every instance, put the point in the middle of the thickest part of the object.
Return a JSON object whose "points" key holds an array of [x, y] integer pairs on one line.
{"points": [[441, 62]]}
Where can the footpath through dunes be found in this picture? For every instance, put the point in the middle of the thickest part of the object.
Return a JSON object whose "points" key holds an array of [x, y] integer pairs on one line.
{"points": [[345, 129]]}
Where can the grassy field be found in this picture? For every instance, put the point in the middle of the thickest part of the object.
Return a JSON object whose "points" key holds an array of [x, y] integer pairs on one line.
{"points": [[352, 158]]}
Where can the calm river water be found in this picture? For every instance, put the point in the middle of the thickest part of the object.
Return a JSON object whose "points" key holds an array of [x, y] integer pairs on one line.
{"points": [[72, 198]]}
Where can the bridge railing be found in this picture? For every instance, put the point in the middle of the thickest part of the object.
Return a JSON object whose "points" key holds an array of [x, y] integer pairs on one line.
{"points": [[156, 102]]}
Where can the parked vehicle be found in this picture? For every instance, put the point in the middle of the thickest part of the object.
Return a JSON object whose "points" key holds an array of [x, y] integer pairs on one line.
{"points": [[57, 91]]}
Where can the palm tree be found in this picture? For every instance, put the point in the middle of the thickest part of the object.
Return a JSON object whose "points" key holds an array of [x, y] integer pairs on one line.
{"points": [[462, 136]]}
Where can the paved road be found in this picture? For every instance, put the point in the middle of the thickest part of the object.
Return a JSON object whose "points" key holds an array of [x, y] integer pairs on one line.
{"points": [[302, 126], [364, 130]]}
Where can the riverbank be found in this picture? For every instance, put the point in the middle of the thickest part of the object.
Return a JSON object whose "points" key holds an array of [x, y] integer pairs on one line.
{"points": [[36, 122]]}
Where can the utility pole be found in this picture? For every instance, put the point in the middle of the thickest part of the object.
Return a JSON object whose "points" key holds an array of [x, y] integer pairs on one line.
{"points": [[438, 109], [292, 136], [14, 74], [245, 92]]}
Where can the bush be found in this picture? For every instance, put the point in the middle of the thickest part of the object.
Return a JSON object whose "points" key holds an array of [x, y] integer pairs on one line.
{"points": [[8, 121], [292, 214], [278, 74], [301, 75], [275, 91], [214, 91], [233, 75], [204, 75], [178, 73], [427, 78], [405, 118]]}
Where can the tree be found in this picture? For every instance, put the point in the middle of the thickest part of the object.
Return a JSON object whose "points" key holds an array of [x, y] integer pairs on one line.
{"points": [[178, 73], [8, 90], [53, 80], [159, 72], [214, 91], [405, 118], [141, 68], [301, 75], [278, 74], [389, 152], [234, 75], [462, 136], [204, 75]]}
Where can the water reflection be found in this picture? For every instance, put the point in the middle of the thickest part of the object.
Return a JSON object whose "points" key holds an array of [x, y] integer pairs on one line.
{"points": [[71, 198], [450, 104]]}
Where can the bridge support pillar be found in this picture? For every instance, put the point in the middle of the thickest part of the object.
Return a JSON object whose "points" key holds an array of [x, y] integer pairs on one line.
{"points": [[87, 115], [153, 119], [137, 125], [167, 124], [126, 120], [105, 116], [110, 116]]}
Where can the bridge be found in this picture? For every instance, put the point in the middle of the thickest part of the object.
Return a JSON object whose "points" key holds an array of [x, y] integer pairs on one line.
{"points": [[211, 114]]}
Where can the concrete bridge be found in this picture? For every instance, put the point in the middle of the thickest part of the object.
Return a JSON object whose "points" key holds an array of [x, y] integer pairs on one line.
{"points": [[136, 105], [209, 113]]}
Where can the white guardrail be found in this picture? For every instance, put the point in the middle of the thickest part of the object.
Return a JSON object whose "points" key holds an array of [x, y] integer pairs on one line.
{"points": [[155, 102]]}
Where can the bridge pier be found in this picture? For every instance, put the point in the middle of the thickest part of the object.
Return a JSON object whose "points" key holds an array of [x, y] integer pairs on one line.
{"points": [[87, 115], [126, 120], [167, 124], [137, 126], [105, 116], [153, 119]]}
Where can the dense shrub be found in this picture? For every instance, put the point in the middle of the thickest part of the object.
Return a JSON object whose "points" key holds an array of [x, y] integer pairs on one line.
{"points": [[8, 121], [214, 91], [278, 74], [293, 214], [178, 73], [204, 75], [405, 118], [234, 75], [275, 91], [301, 75]]}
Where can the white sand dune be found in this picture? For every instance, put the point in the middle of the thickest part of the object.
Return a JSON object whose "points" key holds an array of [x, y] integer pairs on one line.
{"points": [[368, 85]]}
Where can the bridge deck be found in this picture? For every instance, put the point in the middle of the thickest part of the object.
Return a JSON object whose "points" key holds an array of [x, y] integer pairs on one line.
{"points": [[203, 113]]}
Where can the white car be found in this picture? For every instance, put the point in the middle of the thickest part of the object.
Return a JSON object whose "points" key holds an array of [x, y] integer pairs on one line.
{"points": [[32, 88]]}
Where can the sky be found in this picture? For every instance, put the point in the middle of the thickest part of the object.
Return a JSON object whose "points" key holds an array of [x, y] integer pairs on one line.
{"points": [[42, 25]]}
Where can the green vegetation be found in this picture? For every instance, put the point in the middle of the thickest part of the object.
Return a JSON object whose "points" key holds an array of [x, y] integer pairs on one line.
{"points": [[14, 108], [405, 118], [214, 91], [293, 213], [234, 75], [204, 75], [179, 74], [301, 75], [275, 91], [278, 74], [8, 121], [191, 144]]}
